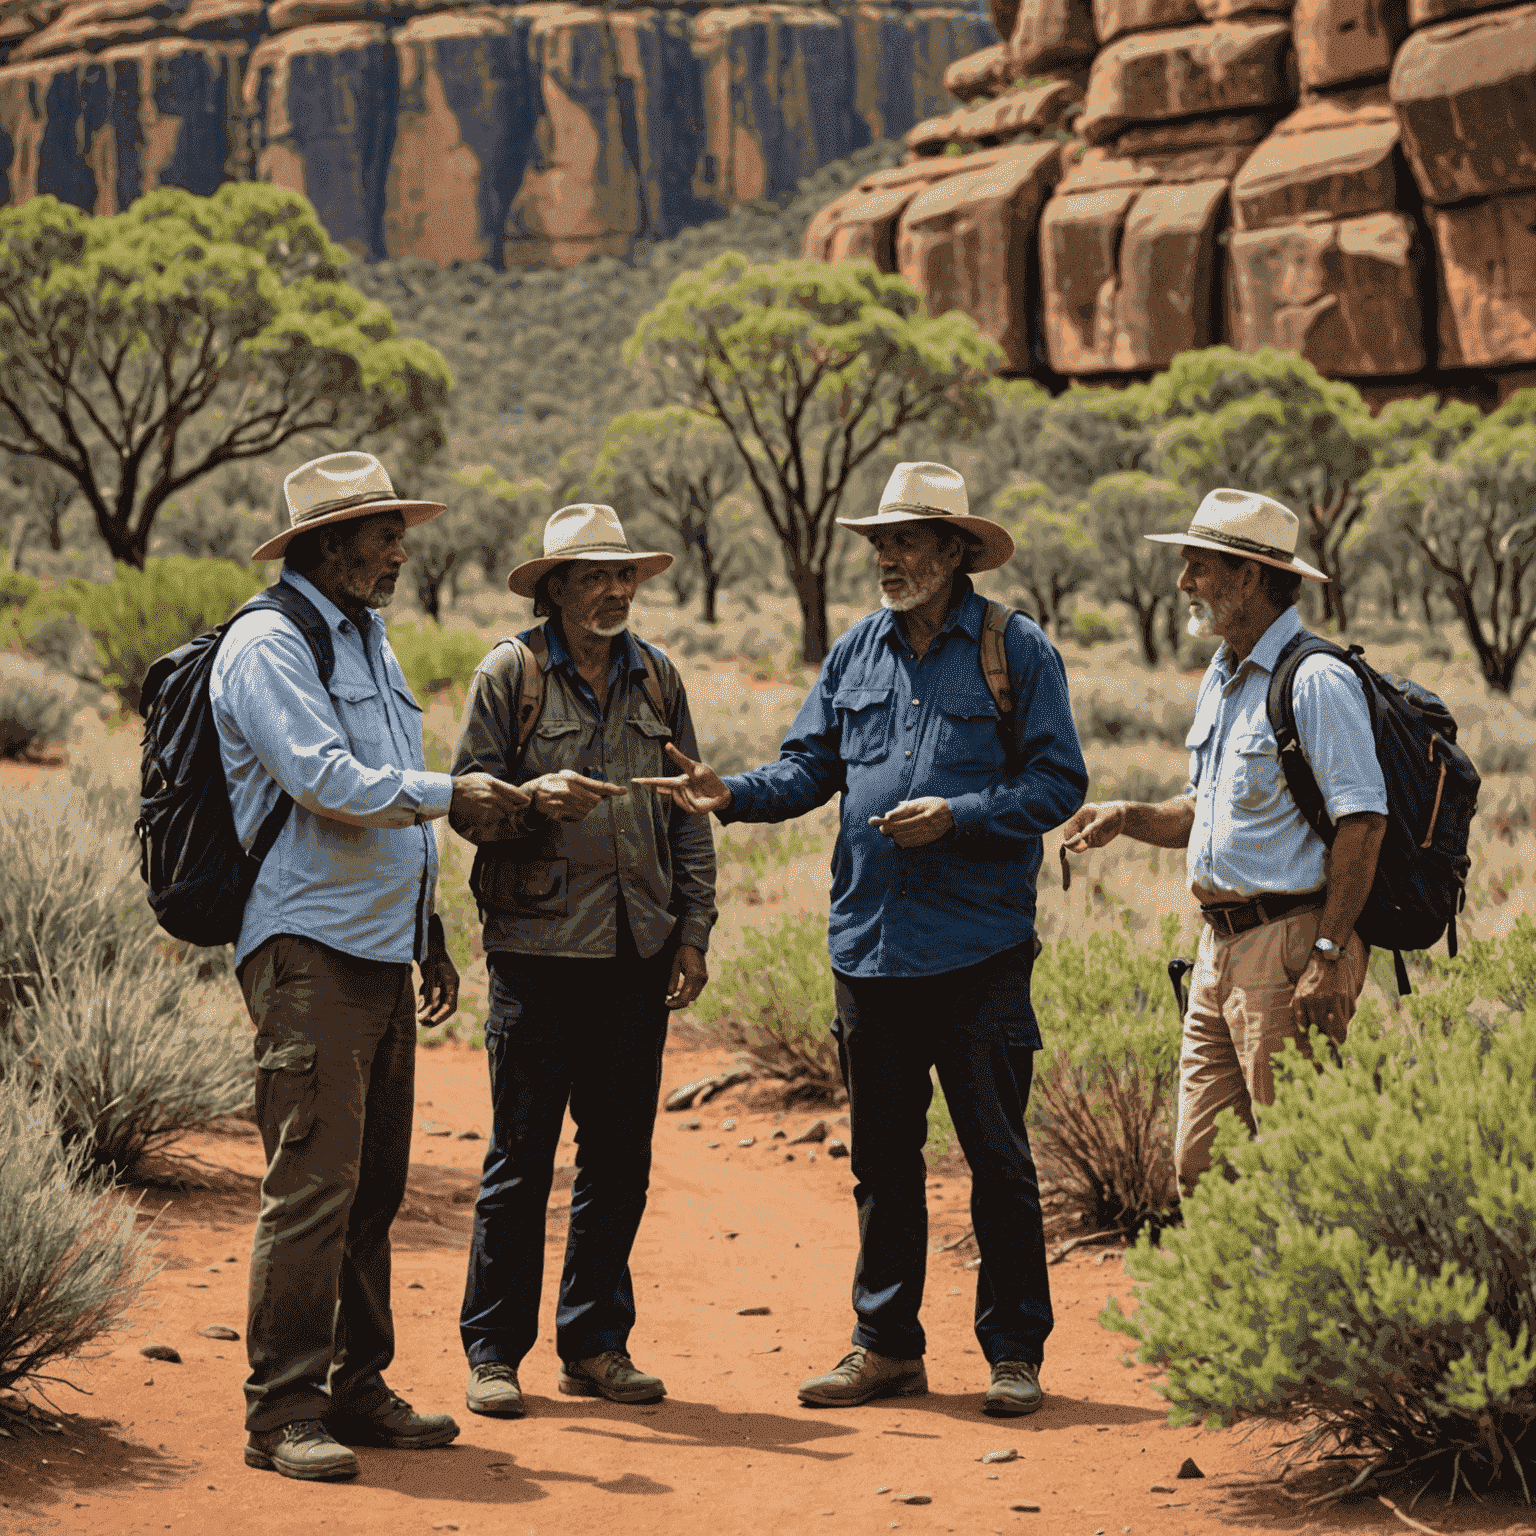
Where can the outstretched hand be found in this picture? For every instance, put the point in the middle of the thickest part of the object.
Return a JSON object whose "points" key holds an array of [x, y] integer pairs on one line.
{"points": [[916, 823], [698, 789], [1094, 826], [566, 795]]}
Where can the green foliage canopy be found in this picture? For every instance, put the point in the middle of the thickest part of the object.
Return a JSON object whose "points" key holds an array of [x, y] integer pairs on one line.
{"points": [[142, 351], [811, 368], [1120, 510]]}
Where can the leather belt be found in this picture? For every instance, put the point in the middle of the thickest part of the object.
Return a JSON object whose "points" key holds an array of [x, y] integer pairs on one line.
{"points": [[1233, 918]]}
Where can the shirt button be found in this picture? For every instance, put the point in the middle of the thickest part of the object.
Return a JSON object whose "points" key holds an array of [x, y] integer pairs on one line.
{"points": [[909, 754], [917, 701]]}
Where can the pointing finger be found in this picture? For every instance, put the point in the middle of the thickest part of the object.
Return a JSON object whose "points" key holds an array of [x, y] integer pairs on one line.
{"points": [[681, 758]]}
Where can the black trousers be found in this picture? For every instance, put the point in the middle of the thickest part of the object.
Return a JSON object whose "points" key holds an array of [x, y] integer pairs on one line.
{"points": [[589, 1033], [976, 1026]]}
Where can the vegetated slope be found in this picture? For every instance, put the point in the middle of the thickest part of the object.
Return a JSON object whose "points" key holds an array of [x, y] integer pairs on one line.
{"points": [[535, 355]]}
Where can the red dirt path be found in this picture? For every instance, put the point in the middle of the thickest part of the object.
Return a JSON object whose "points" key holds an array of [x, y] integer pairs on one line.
{"points": [[156, 1447]]}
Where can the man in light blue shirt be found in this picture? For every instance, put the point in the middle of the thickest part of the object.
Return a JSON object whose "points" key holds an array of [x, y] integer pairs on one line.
{"points": [[1279, 954], [340, 909]]}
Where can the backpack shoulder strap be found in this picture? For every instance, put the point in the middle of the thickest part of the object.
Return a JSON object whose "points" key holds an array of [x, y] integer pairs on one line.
{"points": [[303, 615], [993, 656], [656, 678], [534, 657], [1280, 705]]}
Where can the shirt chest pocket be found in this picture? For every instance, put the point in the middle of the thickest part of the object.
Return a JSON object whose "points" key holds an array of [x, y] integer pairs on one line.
{"points": [[556, 744], [1197, 741], [968, 735], [864, 718], [360, 711], [1255, 769], [646, 746]]}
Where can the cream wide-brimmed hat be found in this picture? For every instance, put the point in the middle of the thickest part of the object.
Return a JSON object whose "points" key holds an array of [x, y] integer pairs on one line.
{"points": [[927, 492], [338, 487], [1247, 524], [585, 531]]}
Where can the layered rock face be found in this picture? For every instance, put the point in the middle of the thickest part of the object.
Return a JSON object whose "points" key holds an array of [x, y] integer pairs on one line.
{"points": [[532, 134], [1353, 180]]}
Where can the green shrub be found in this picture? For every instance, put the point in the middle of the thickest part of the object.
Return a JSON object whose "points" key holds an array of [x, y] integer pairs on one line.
{"points": [[1090, 627], [16, 589], [1104, 1093], [140, 615], [1366, 1270], [435, 659], [775, 1002], [36, 705], [71, 1263]]}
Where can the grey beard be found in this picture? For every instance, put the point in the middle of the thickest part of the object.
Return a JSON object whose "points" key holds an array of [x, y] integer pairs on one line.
{"points": [[608, 631], [1203, 618], [378, 599], [919, 595]]}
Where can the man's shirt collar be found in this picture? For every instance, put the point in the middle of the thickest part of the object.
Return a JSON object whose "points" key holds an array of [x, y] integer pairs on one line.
{"points": [[628, 655], [368, 620], [965, 615], [1266, 653]]}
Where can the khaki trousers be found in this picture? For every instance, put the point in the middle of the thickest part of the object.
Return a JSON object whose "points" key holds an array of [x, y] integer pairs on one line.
{"points": [[335, 1088], [1239, 1016]]}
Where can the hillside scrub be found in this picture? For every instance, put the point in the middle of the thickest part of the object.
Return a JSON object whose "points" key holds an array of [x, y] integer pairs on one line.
{"points": [[1364, 1271], [37, 705]]}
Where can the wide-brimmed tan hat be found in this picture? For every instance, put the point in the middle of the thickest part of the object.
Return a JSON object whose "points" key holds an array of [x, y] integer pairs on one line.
{"points": [[1248, 524], [586, 530], [927, 492], [337, 487]]}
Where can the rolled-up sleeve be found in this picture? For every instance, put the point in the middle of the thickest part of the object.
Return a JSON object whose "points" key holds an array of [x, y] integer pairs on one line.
{"points": [[287, 719], [693, 851], [1048, 777], [1334, 724], [809, 770]]}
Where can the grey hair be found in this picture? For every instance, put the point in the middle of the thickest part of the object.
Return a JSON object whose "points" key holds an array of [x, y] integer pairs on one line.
{"points": [[1280, 587]]}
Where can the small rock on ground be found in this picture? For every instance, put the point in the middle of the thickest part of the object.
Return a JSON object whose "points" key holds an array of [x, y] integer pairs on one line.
{"points": [[754, 1311], [912, 1498], [219, 1331], [415, 1285], [1025, 1509], [1161, 1488], [472, 1135], [160, 1352], [1189, 1469], [837, 1149], [778, 1136], [691, 1125], [817, 1130], [432, 1128], [747, 1141], [727, 1125], [1011, 1454]]}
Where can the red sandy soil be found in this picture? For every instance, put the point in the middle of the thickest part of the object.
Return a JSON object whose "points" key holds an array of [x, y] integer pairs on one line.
{"points": [[156, 1447]]}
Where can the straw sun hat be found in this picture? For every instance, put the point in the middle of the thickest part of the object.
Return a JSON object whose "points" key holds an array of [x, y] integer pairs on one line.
{"points": [[584, 531], [336, 488], [1247, 524], [927, 492]]}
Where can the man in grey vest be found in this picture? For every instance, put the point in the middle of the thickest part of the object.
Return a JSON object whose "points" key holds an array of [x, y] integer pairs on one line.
{"points": [[596, 923]]}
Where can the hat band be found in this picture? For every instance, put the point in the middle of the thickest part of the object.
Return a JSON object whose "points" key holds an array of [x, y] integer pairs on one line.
{"points": [[591, 549], [1236, 541], [341, 504], [918, 506]]}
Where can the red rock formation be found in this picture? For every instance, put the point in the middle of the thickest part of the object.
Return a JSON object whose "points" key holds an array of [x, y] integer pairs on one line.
{"points": [[1052, 34], [1339, 42], [1024, 111], [1118, 18], [1487, 254], [981, 74], [969, 243]]}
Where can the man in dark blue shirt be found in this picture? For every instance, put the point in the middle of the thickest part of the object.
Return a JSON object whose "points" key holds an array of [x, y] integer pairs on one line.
{"points": [[944, 801]]}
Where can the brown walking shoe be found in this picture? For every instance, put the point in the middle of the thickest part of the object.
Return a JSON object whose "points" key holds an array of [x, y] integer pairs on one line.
{"points": [[1015, 1389], [611, 1374], [493, 1390], [394, 1425], [861, 1375], [303, 1449]]}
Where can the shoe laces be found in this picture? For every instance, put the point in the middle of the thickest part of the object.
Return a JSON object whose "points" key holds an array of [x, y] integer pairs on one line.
{"points": [[496, 1371], [852, 1362], [307, 1432], [1015, 1370]]}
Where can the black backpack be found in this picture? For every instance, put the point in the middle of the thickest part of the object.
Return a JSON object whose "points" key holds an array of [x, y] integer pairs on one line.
{"points": [[1421, 873], [198, 875]]}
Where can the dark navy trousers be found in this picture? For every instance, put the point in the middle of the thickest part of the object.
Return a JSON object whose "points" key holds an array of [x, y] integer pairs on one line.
{"points": [[977, 1027], [588, 1033]]}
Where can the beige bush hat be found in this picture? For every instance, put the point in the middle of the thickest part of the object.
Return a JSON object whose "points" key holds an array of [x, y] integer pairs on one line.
{"points": [[337, 487], [584, 531], [927, 492], [1245, 523]]}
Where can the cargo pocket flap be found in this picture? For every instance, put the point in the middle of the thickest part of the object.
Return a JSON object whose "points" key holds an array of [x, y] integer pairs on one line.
{"points": [[288, 1056]]}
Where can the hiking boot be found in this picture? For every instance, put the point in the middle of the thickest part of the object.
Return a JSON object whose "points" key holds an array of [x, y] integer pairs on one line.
{"points": [[394, 1425], [493, 1391], [861, 1375], [1015, 1389], [302, 1449], [611, 1374]]}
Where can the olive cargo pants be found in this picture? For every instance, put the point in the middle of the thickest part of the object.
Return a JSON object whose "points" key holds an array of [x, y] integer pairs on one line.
{"points": [[335, 1086]]}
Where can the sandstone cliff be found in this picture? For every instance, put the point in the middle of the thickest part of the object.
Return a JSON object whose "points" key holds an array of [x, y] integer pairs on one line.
{"points": [[1353, 180], [533, 134]]}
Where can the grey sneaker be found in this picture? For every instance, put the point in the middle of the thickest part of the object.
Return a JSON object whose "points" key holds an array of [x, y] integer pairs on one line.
{"points": [[303, 1449], [1015, 1389], [611, 1374], [861, 1375], [493, 1390]]}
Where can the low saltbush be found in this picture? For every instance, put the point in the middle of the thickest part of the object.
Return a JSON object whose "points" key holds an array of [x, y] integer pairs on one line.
{"points": [[1365, 1270], [71, 1263], [1091, 626], [37, 705], [1105, 1087]]}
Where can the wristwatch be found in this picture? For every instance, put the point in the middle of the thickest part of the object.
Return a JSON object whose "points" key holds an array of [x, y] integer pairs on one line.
{"points": [[1329, 950]]}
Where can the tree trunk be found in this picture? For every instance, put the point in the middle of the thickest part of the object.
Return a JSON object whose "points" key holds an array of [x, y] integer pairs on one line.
{"points": [[711, 577], [1172, 628], [811, 593], [1147, 616]]}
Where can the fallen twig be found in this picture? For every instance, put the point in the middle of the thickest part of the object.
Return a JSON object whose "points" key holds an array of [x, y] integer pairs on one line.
{"points": [[1077, 1242], [964, 1237], [1408, 1520]]}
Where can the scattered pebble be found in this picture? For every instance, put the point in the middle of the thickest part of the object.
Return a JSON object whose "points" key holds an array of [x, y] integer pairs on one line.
{"points": [[817, 1130], [213, 1269], [779, 1136], [912, 1498], [1189, 1469], [415, 1285], [754, 1311], [432, 1128], [149, 1381], [732, 1234], [1025, 1509], [727, 1125], [883, 1488], [691, 1125], [837, 1149], [810, 1157], [231, 1260], [197, 1285], [447, 1525], [991, 1477], [219, 1331], [160, 1352], [1161, 1488], [472, 1134], [711, 1144], [747, 1141], [974, 1264], [993, 1457]]}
